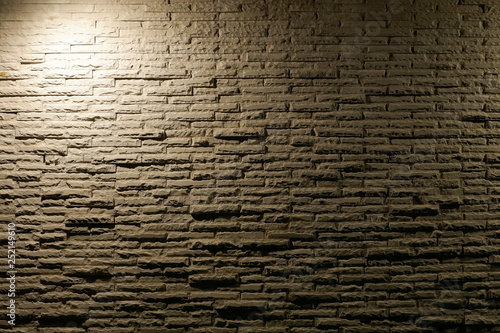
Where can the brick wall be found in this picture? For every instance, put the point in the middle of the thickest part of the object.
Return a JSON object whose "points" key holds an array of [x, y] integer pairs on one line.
{"points": [[237, 166]]}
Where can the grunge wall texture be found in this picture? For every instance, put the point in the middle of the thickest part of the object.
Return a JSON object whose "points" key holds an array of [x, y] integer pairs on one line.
{"points": [[269, 166]]}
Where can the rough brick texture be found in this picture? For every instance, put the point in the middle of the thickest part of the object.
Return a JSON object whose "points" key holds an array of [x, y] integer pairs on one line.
{"points": [[237, 166]]}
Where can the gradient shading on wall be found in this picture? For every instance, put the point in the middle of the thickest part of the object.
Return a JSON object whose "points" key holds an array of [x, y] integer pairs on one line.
{"points": [[251, 166]]}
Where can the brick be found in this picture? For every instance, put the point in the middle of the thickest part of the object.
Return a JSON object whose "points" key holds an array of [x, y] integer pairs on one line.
{"points": [[238, 133], [214, 281], [239, 150], [91, 221]]}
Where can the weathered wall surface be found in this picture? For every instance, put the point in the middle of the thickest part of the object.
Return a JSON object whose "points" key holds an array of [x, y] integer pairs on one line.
{"points": [[262, 166]]}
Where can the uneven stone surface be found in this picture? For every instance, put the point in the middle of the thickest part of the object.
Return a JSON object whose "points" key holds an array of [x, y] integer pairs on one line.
{"points": [[246, 166]]}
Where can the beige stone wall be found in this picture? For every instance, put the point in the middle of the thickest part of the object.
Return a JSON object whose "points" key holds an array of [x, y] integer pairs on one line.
{"points": [[241, 166]]}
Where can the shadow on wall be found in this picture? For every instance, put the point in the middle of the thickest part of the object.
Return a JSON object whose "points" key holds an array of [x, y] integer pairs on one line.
{"points": [[250, 166]]}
